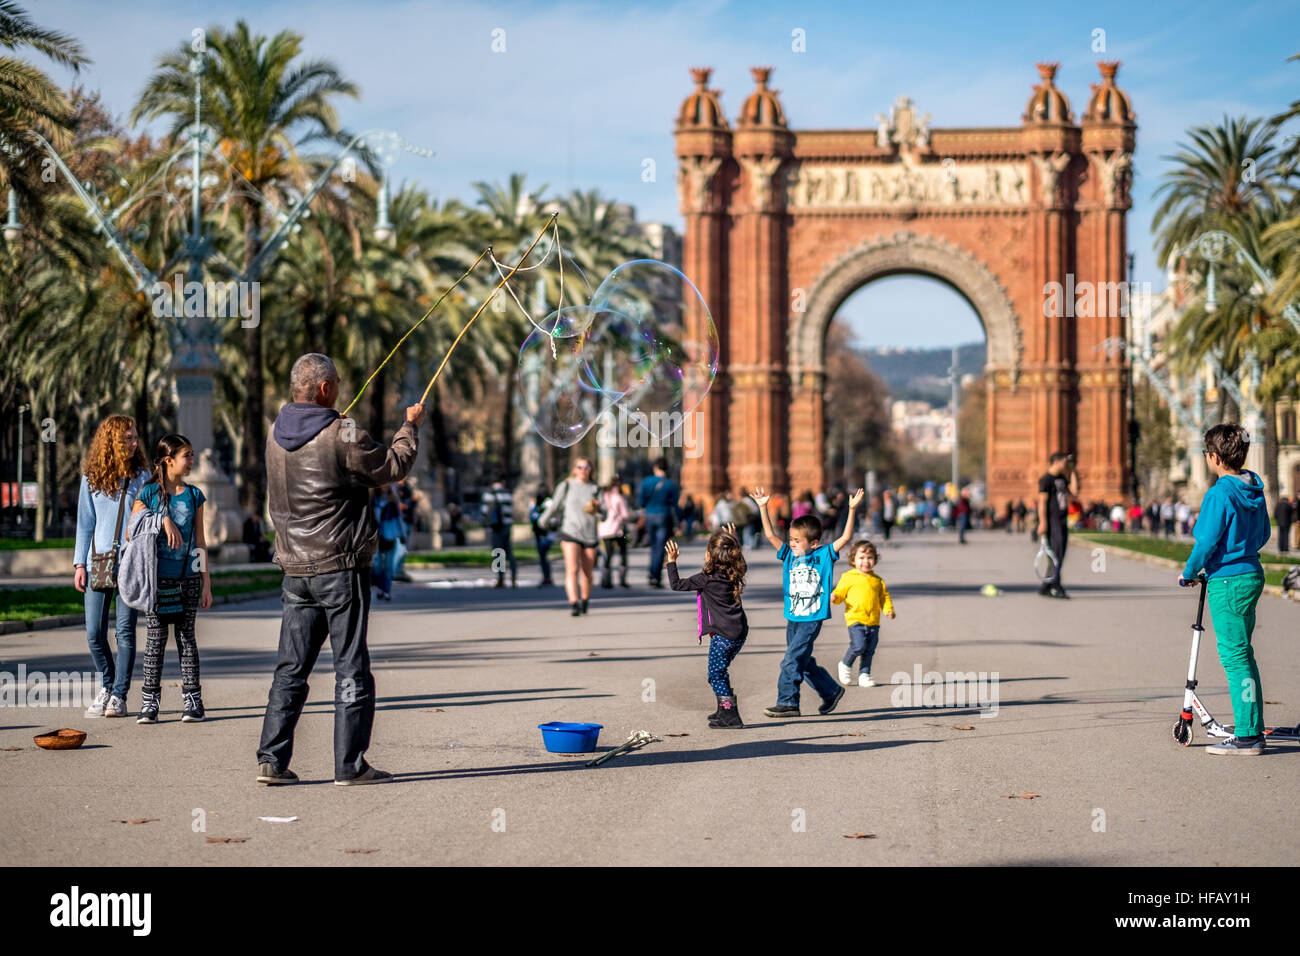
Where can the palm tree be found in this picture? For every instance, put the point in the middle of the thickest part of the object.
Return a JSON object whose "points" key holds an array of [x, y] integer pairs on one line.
{"points": [[264, 103], [1236, 179], [30, 100]]}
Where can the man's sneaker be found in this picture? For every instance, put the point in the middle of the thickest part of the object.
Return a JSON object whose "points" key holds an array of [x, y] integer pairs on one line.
{"points": [[829, 705], [1059, 592], [116, 707], [96, 708], [148, 708], [846, 674], [193, 708], [864, 680], [782, 710], [267, 774], [370, 776], [1239, 746]]}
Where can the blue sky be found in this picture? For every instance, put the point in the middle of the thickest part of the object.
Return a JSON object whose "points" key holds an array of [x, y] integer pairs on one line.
{"points": [[585, 92]]}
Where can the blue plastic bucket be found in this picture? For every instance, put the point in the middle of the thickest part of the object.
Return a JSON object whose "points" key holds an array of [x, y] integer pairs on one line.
{"points": [[562, 738]]}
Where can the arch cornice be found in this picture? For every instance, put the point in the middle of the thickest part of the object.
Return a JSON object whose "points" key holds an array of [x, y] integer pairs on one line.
{"points": [[907, 252]]}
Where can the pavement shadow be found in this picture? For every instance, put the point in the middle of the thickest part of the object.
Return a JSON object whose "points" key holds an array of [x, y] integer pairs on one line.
{"points": [[648, 757]]}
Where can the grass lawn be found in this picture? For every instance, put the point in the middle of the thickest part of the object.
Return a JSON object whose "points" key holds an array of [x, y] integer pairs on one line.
{"points": [[27, 604], [478, 558], [26, 544], [1173, 550]]}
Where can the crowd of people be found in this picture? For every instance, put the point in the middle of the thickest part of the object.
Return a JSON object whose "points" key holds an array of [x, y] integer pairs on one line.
{"points": [[342, 517]]}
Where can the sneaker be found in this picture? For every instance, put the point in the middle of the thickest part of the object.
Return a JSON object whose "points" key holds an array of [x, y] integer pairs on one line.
{"points": [[96, 708], [1239, 746], [148, 708], [1059, 592], [267, 774], [116, 707], [829, 705], [864, 680], [846, 674], [193, 708], [782, 710], [370, 776]]}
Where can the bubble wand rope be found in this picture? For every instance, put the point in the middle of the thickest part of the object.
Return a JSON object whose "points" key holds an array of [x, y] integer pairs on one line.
{"points": [[474, 266], [504, 280]]}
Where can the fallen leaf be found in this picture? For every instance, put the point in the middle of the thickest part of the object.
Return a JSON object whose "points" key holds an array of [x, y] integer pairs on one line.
{"points": [[859, 836], [851, 734], [433, 710], [593, 654], [358, 851], [1023, 796], [11, 748], [1272, 702], [962, 727], [139, 820], [678, 735], [227, 839]]}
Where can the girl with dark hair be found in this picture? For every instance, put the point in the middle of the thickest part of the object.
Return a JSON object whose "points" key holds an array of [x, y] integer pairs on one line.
{"points": [[721, 616], [183, 583], [112, 474]]}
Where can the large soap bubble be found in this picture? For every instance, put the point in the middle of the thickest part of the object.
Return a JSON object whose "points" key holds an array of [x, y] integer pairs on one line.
{"points": [[557, 389], [653, 322]]}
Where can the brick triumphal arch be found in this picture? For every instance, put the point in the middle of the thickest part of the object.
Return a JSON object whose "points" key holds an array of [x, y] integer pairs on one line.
{"points": [[782, 226]]}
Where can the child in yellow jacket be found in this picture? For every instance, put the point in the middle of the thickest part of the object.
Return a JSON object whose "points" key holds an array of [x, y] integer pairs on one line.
{"points": [[864, 597]]}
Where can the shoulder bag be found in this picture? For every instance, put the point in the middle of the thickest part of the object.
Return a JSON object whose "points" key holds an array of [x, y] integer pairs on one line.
{"points": [[103, 567]]}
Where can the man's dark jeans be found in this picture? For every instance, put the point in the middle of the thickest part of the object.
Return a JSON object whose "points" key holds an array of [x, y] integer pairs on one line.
{"points": [[1058, 536], [658, 525], [337, 606]]}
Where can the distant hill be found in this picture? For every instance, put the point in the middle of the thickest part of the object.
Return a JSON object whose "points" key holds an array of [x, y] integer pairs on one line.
{"points": [[921, 375]]}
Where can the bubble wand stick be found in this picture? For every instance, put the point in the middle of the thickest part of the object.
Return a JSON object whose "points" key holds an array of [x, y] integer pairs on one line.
{"points": [[414, 327], [522, 259]]}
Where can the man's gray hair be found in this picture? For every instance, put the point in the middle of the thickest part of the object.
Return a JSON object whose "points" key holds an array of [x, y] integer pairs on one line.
{"points": [[309, 373]]}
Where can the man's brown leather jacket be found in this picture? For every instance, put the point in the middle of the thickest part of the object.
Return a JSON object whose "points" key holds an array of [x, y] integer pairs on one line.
{"points": [[320, 469]]}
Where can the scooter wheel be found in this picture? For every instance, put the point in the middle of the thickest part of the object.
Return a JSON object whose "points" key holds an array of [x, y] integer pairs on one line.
{"points": [[1183, 731]]}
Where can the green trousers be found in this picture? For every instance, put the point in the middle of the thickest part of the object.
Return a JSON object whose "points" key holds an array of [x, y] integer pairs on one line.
{"points": [[1232, 603]]}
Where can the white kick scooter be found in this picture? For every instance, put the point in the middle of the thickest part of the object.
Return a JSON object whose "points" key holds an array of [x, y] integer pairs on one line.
{"points": [[1183, 726]]}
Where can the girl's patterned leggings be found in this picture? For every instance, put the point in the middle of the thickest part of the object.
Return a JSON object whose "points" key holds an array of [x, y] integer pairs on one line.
{"points": [[191, 592], [721, 653]]}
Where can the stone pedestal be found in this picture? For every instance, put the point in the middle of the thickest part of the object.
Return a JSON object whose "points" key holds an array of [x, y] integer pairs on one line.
{"points": [[223, 519]]}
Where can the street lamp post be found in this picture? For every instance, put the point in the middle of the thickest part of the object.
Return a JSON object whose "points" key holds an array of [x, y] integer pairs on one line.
{"points": [[195, 338]]}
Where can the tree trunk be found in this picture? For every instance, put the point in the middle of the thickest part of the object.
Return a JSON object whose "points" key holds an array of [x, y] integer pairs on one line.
{"points": [[377, 393], [508, 435], [252, 492], [38, 432], [1270, 454]]}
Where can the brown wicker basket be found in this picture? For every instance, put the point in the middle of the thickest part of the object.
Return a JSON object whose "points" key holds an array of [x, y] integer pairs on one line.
{"points": [[63, 739]]}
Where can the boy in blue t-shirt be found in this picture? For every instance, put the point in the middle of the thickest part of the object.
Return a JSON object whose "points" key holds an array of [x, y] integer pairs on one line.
{"points": [[807, 573], [1230, 530]]}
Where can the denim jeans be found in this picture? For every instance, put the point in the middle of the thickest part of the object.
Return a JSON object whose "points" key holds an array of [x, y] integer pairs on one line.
{"points": [[117, 679], [1232, 603], [500, 541], [657, 526], [799, 664], [336, 606], [863, 639]]}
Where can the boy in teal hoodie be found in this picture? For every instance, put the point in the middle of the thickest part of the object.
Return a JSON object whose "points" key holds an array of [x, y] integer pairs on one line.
{"points": [[1230, 530]]}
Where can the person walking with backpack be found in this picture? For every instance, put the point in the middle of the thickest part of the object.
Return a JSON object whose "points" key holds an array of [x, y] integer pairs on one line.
{"points": [[112, 475], [499, 519], [658, 499], [613, 533], [576, 510]]}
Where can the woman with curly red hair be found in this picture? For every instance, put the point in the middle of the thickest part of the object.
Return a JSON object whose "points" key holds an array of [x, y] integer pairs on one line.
{"points": [[113, 472]]}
